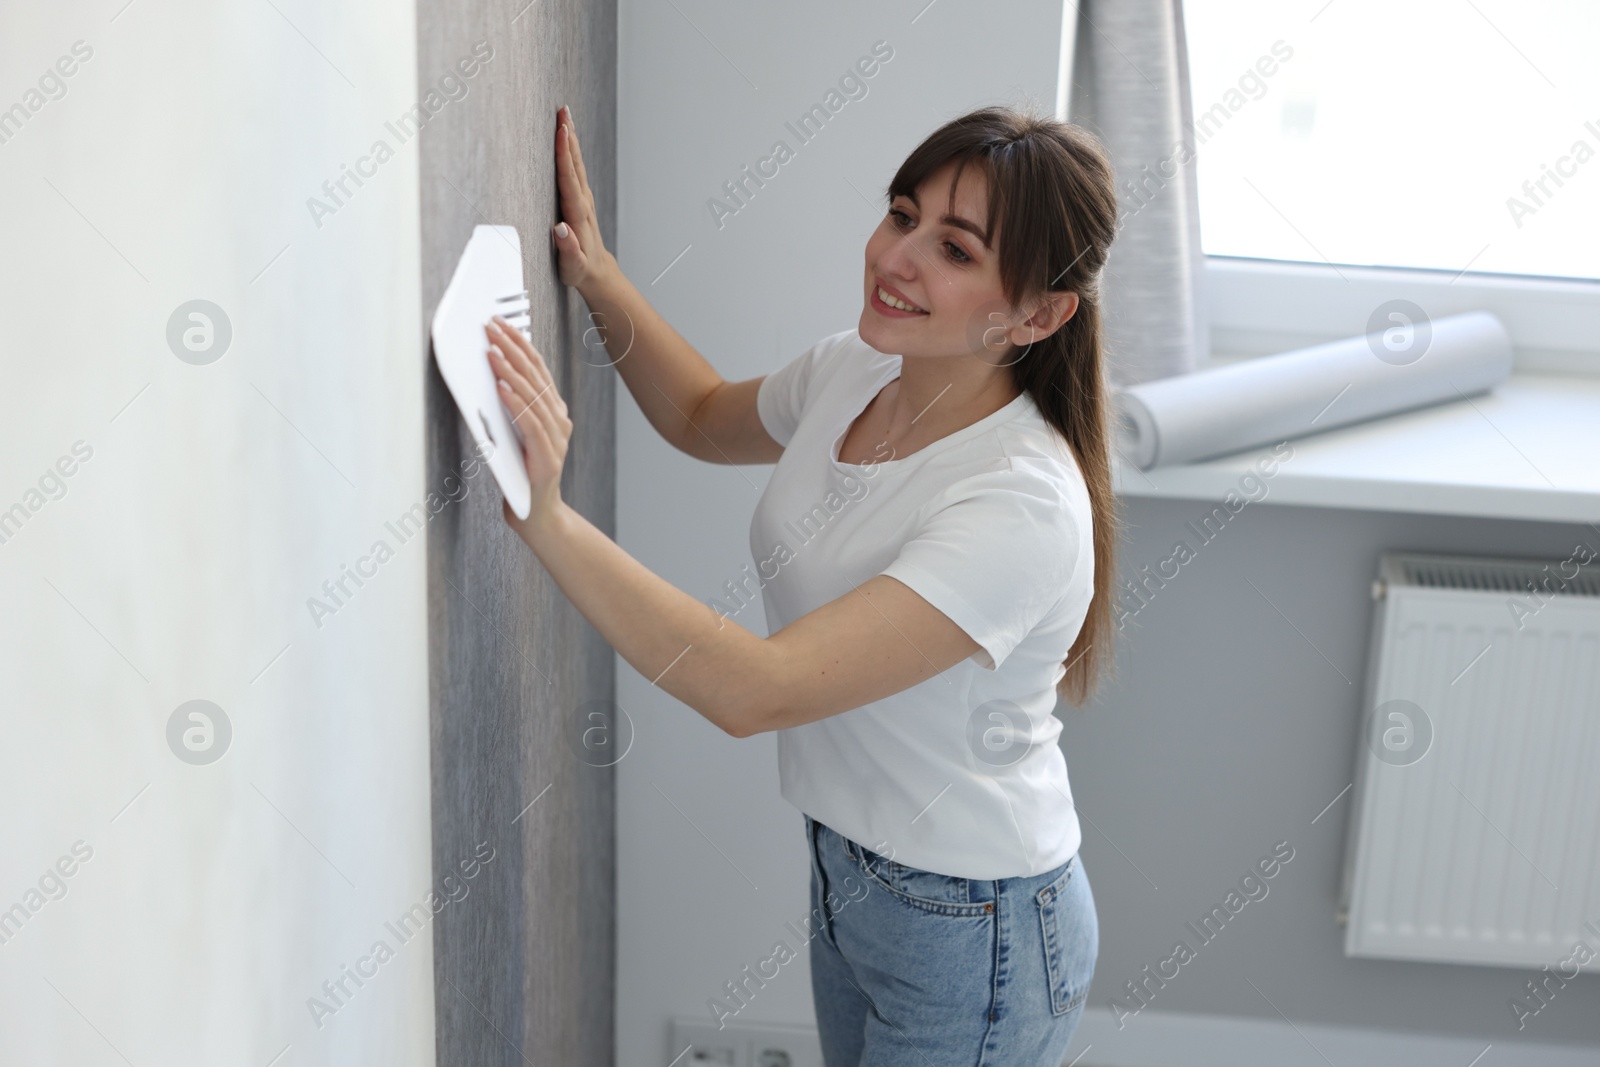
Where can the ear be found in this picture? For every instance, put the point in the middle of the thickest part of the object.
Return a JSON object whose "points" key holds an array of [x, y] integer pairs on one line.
{"points": [[1052, 313]]}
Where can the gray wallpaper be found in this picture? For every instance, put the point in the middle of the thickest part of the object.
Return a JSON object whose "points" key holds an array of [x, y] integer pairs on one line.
{"points": [[524, 964]]}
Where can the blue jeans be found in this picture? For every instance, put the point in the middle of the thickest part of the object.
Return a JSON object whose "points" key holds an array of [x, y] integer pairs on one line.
{"points": [[911, 968]]}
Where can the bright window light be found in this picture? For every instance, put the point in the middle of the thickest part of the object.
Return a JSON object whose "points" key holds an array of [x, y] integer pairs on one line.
{"points": [[1445, 134]]}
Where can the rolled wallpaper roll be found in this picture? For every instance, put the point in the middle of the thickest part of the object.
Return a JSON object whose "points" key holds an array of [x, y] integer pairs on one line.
{"points": [[1411, 363]]}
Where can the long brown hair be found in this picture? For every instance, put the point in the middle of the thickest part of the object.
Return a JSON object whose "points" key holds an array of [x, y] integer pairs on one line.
{"points": [[1053, 193]]}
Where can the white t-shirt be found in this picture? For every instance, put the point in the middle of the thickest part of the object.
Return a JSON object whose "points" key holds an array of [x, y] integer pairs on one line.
{"points": [[960, 774]]}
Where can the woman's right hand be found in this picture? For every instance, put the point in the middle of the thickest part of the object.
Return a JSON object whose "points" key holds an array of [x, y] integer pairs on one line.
{"points": [[583, 256]]}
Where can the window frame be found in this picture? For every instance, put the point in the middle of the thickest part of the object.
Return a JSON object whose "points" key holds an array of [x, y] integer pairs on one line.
{"points": [[1265, 306]]}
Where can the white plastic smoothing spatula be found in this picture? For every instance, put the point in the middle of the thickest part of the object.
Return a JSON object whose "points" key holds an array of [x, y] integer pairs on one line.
{"points": [[487, 282]]}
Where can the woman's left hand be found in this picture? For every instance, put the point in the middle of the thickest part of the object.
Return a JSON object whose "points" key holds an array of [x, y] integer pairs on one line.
{"points": [[529, 394]]}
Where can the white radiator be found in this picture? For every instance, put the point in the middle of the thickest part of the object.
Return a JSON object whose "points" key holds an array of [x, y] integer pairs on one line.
{"points": [[1480, 844]]}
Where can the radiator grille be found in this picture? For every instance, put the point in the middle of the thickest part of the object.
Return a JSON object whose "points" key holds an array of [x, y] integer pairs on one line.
{"points": [[1566, 577], [1486, 848]]}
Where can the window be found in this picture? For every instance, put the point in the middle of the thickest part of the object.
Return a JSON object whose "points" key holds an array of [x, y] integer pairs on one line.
{"points": [[1453, 135]]}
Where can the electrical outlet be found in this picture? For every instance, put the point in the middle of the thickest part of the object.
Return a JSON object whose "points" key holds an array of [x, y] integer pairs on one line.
{"points": [[695, 1042], [721, 1056], [743, 1045], [773, 1057]]}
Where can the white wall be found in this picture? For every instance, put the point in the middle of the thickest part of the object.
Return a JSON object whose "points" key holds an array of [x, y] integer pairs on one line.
{"points": [[711, 860], [217, 499]]}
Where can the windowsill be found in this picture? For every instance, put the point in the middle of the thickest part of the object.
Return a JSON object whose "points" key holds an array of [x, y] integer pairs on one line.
{"points": [[1530, 449]]}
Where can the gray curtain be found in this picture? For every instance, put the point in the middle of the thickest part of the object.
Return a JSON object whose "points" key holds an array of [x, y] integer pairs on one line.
{"points": [[1128, 81]]}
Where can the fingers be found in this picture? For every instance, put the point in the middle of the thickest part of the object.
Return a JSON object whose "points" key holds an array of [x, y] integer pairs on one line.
{"points": [[570, 246], [526, 386], [577, 199], [577, 150], [567, 176], [544, 432], [575, 205], [512, 369], [536, 409], [530, 417], [523, 358], [517, 392], [517, 339]]}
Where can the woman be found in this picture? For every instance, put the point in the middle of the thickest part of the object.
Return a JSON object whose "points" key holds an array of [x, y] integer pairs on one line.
{"points": [[935, 551]]}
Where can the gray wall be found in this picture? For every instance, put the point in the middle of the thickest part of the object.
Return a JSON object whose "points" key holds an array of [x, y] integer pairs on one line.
{"points": [[711, 860], [524, 968], [1223, 734]]}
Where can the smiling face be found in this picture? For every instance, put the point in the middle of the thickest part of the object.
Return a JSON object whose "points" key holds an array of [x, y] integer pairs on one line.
{"points": [[932, 284], [932, 281]]}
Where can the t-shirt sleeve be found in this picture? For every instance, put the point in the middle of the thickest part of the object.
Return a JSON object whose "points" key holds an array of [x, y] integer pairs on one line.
{"points": [[781, 396], [995, 555]]}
